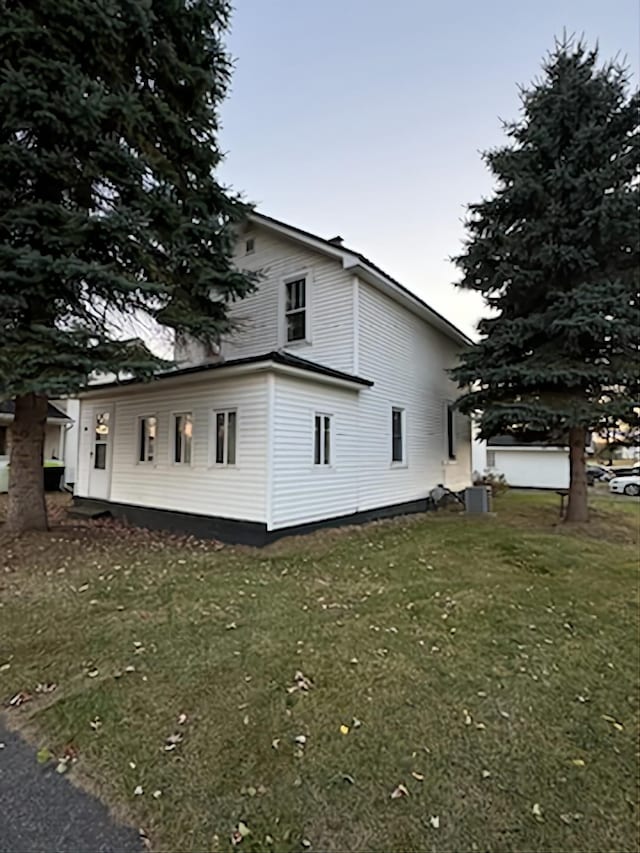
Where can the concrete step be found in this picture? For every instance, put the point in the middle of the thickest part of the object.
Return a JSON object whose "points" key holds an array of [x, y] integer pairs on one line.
{"points": [[87, 512]]}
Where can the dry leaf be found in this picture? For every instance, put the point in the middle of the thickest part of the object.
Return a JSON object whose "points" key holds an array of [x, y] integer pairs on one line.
{"points": [[418, 776], [579, 762], [344, 730], [157, 794], [138, 790], [20, 699], [486, 774], [399, 791], [434, 820], [182, 719], [537, 812], [467, 718]]}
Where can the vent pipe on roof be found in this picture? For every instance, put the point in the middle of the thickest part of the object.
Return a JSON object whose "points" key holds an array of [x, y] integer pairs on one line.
{"points": [[337, 241]]}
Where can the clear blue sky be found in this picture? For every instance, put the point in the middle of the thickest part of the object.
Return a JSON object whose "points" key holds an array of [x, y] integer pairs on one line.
{"points": [[364, 118]]}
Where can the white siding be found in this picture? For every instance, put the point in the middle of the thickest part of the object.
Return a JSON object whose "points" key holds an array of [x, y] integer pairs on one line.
{"points": [[232, 492], [260, 317], [304, 492], [407, 360], [532, 467]]}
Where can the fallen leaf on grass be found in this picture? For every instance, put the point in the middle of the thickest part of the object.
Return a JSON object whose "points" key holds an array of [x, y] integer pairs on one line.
{"points": [[172, 741], [182, 719], [138, 791], [20, 699], [275, 743], [434, 820], [344, 730], [616, 725], [43, 755], [486, 774], [537, 812], [300, 683], [467, 718], [144, 838], [239, 833], [156, 794], [418, 776], [92, 673], [579, 762], [96, 723], [399, 791]]}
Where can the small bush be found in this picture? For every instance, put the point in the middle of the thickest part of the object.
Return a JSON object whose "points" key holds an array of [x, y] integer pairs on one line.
{"points": [[497, 482]]}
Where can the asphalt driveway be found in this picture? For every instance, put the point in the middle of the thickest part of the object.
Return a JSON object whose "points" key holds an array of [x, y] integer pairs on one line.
{"points": [[42, 812]]}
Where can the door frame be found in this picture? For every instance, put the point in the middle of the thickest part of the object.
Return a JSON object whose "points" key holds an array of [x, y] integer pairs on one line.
{"points": [[106, 481]]}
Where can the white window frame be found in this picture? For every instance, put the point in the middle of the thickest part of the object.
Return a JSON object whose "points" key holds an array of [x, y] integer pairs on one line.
{"points": [[323, 464], [213, 442], [146, 461], [289, 279], [172, 439], [399, 463], [491, 459]]}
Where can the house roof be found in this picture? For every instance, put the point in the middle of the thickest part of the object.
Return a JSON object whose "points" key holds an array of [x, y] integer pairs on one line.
{"points": [[7, 407], [532, 440], [353, 259], [276, 357]]}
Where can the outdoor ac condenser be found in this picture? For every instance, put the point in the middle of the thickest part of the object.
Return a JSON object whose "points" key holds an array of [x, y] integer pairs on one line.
{"points": [[477, 499]]}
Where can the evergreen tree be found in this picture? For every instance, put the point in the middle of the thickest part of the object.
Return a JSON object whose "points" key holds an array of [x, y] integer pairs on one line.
{"points": [[555, 253], [108, 201]]}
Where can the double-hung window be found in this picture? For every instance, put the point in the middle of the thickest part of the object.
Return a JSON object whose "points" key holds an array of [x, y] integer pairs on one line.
{"points": [[451, 432], [147, 432], [182, 438], [225, 430], [295, 310], [397, 435], [322, 440]]}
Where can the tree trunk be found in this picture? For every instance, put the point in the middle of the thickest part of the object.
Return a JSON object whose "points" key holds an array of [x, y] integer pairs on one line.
{"points": [[27, 508], [577, 506]]}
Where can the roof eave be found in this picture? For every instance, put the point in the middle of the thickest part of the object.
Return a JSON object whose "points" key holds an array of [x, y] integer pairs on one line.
{"points": [[194, 375]]}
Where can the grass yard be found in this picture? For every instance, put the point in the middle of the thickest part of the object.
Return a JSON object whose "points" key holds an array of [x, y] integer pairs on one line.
{"points": [[486, 671]]}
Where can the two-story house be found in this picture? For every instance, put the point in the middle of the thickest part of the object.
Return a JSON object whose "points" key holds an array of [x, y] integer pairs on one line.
{"points": [[331, 403]]}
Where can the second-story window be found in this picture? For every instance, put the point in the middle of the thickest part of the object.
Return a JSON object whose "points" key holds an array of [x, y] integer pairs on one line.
{"points": [[296, 309]]}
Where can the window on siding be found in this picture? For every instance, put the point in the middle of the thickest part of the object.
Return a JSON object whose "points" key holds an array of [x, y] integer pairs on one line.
{"points": [[250, 245], [322, 440], [100, 441], [182, 437], [296, 309], [491, 459], [451, 431], [147, 430], [225, 437], [3, 441], [397, 435]]}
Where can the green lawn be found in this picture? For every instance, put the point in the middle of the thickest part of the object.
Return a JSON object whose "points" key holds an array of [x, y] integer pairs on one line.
{"points": [[489, 666]]}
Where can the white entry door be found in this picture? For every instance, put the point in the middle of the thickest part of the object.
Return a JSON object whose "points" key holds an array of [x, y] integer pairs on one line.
{"points": [[100, 451]]}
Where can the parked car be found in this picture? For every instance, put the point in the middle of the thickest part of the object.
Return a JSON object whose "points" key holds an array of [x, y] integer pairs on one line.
{"points": [[629, 485], [598, 473], [627, 472]]}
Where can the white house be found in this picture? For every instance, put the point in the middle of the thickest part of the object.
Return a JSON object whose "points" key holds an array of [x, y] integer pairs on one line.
{"points": [[526, 464], [330, 404], [59, 423]]}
